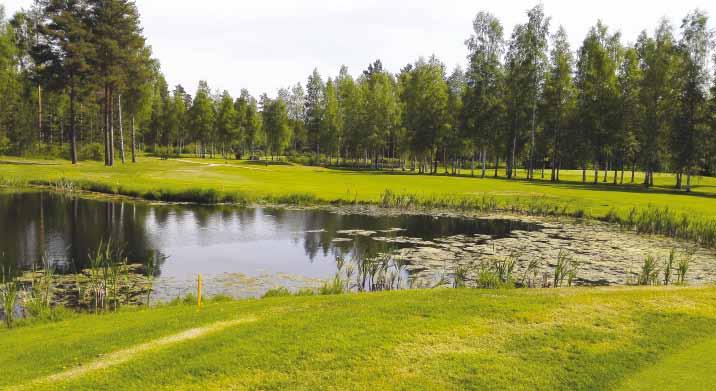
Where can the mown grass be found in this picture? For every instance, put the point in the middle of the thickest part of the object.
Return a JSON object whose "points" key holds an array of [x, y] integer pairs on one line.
{"points": [[693, 368], [423, 339]]}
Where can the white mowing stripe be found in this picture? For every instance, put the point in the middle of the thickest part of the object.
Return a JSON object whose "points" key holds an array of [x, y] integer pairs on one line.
{"points": [[122, 356]]}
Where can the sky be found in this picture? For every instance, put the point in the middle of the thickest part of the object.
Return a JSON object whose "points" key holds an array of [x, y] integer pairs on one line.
{"points": [[268, 44]]}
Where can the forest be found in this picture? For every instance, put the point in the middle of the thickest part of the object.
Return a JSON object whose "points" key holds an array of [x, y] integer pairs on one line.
{"points": [[79, 81]]}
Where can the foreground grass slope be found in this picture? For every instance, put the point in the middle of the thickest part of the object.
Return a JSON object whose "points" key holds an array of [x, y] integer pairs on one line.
{"points": [[328, 185], [429, 339]]}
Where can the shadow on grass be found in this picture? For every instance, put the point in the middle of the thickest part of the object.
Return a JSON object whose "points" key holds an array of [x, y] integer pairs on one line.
{"points": [[265, 163], [572, 185]]}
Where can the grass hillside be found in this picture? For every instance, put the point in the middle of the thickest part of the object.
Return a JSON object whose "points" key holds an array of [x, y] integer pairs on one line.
{"points": [[427, 339]]}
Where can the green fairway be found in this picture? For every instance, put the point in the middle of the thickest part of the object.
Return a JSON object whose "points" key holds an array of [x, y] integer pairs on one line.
{"points": [[693, 368], [326, 185], [424, 339]]}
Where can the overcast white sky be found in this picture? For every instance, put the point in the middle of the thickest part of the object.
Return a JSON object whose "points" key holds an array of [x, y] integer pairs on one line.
{"points": [[267, 44]]}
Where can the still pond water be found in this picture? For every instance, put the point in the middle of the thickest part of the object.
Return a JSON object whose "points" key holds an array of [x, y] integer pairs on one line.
{"points": [[239, 251]]}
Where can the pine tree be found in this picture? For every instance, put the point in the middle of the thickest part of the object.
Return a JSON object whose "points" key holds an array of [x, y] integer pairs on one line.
{"points": [[117, 38], [62, 55]]}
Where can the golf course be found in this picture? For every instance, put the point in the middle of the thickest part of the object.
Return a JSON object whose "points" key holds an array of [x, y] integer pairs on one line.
{"points": [[635, 338]]}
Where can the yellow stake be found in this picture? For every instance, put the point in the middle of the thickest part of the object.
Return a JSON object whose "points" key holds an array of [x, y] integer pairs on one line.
{"points": [[198, 292]]}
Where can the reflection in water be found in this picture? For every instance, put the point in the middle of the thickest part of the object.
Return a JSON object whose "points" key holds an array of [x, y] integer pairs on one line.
{"points": [[212, 240]]}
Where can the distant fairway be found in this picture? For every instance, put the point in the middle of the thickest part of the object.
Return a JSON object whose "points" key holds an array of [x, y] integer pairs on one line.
{"points": [[328, 185]]}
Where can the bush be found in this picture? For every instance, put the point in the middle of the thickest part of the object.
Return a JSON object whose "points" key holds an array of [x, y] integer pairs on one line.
{"points": [[277, 292], [93, 151]]}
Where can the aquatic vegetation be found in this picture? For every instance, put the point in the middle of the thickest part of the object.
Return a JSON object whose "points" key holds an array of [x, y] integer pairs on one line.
{"points": [[504, 268], [150, 269], [335, 286], [277, 292], [567, 268], [650, 272], [529, 276], [8, 294], [665, 221], [682, 269], [460, 276], [669, 266]]}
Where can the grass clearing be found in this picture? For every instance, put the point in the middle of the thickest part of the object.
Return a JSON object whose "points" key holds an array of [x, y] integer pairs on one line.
{"points": [[422, 339]]}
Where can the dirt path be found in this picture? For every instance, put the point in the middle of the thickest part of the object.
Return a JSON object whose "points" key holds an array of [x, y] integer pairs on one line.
{"points": [[122, 356]]}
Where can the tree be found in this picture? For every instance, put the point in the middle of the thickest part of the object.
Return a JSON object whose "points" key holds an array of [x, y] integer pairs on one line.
{"points": [[426, 99], [559, 96], [381, 110], [482, 104], [631, 111], [657, 59], [596, 82], [117, 38], [276, 125], [296, 107], [202, 117], [226, 122], [455, 143], [249, 121], [352, 113], [331, 124], [691, 122], [62, 55], [526, 60], [315, 105], [139, 93]]}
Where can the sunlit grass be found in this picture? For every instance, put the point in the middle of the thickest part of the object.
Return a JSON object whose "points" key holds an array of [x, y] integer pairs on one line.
{"points": [[417, 339]]}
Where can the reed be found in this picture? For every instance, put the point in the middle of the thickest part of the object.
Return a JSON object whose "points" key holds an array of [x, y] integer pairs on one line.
{"points": [[566, 268], [8, 294], [276, 292], [649, 274], [151, 263], [682, 268], [669, 266]]}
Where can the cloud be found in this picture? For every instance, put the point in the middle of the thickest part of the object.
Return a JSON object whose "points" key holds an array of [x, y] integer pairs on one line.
{"points": [[268, 44]]}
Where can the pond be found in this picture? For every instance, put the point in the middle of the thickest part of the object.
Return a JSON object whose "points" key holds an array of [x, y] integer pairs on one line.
{"points": [[239, 251], [243, 252]]}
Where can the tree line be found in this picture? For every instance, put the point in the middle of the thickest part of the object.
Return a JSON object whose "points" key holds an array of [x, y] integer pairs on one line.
{"points": [[79, 72]]}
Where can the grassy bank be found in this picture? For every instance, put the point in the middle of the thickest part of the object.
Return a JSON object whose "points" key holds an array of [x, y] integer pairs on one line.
{"points": [[429, 339]]}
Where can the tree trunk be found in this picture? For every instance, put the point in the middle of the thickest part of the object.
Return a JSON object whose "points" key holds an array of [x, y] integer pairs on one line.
{"points": [[530, 171], [584, 172], [134, 148], [472, 164], [596, 172], [616, 172], [511, 160], [106, 126], [73, 134], [688, 180], [121, 128], [633, 171], [111, 127], [39, 114]]}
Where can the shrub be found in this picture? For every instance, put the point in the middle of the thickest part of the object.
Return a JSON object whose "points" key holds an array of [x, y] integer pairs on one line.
{"points": [[277, 292], [92, 151]]}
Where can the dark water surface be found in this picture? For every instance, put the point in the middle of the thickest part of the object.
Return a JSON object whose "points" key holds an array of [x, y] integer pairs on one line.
{"points": [[217, 241]]}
